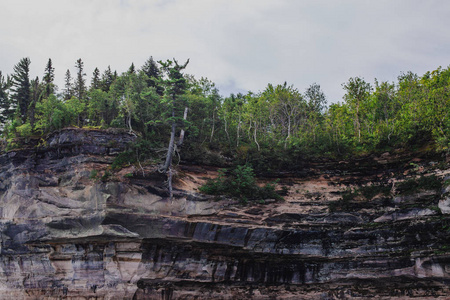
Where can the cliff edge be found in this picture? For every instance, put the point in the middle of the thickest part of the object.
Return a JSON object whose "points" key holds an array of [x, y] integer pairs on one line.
{"points": [[72, 229]]}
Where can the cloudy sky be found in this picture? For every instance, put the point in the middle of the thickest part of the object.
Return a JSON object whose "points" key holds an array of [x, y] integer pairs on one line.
{"points": [[241, 45]]}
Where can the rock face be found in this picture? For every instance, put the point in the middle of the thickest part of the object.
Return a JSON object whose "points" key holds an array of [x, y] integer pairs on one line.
{"points": [[71, 229]]}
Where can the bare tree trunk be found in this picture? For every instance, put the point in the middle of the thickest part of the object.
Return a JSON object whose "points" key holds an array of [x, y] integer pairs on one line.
{"points": [[212, 129], [169, 182], [254, 134], [237, 134], [226, 131], [129, 122], [289, 132], [181, 140], [171, 148]]}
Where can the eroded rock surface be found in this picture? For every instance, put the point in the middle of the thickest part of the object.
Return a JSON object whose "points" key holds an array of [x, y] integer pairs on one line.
{"points": [[68, 234]]}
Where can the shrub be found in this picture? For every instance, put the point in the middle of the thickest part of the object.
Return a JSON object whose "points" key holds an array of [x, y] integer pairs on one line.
{"points": [[93, 174], [414, 185], [239, 182]]}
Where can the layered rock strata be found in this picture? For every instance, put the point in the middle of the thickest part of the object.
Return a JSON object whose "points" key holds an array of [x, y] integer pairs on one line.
{"points": [[68, 231]]}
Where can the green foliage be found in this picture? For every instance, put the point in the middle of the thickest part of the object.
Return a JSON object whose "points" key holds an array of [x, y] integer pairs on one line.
{"points": [[53, 114], [240, 183], [22, 87], [345, 203], [138, 151], [270, 130], [93, 174], [106, 176], [422, 183], [123, 159], [24, 130]]}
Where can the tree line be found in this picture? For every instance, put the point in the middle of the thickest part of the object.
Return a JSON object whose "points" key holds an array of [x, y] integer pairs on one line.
{"points": [[164, 106]]}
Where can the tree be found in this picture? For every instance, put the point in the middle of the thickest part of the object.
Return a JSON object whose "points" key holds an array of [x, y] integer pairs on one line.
{"points": [[6, 107], [80, 81], [37, 91], [95, 82], [358, 91], [386, 110], [108, 77], [22, 87], [150, 68], [315, 98], [68, 91], [132, 69], [49, 77], [176, 86]]}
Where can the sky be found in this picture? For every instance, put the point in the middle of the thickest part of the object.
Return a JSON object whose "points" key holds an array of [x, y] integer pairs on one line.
{"points": [[241, 45]]}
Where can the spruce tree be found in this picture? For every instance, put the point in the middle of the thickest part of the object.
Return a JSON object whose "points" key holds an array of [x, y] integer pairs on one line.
{"points": [[132, 69], [22, 87], [150, 68], [6, 107], [176, 86], [107, 79], [68, 91], [95, 82], [49, 76], [80, 81]]}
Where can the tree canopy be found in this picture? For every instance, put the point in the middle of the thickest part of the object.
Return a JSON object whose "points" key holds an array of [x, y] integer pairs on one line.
{"points": [[267, 128]]}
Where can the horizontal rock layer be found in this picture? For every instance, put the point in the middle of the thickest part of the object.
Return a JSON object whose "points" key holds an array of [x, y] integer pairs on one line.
{"points": [[66, 233]]}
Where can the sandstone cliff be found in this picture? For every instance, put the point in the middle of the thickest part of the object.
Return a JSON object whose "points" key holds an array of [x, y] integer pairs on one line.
{"points": [[346, 230]]}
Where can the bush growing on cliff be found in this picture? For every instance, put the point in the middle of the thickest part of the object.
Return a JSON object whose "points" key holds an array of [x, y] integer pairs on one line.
{"points": [[239, 182], [422, 183]]}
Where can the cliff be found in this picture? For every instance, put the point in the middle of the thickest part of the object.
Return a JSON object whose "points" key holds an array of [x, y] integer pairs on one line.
{"points": [[71, 229]]}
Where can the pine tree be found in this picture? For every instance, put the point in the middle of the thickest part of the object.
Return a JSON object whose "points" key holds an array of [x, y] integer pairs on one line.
{"points": [[150, 68], [49, 76], [68, 91], [107, 79], [131, 69], [80, 81], [176, 86], [6, 108], [22, 87], [95, 82]]}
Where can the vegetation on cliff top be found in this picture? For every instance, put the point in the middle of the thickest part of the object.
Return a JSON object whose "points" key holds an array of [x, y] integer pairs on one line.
{"points": [[268, 129]]}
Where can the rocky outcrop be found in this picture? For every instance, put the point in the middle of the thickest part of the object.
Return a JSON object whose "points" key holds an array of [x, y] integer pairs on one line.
{"points": [[70, 232]]}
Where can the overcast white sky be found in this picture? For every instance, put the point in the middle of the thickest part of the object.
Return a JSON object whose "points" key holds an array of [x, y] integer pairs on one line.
{"points": [[241, 45]]}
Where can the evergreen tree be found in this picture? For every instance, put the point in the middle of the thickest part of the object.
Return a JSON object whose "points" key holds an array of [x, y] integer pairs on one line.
{"points": [[6, 108], [22, 87], [150, 68], [48, 79], [95, 82], [108, 78], [132, 69], [176, 86], [80, 81], [68, 91]]}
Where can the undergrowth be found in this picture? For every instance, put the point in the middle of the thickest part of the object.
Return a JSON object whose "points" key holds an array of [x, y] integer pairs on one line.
{"points": [[239, 183]]}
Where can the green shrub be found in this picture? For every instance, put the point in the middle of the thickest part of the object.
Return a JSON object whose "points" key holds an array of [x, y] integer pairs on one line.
{"points": [[123, 159], [106, 176], [93, 174], [239, 183], [422, 183], [24, 130], [343, 204]]}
